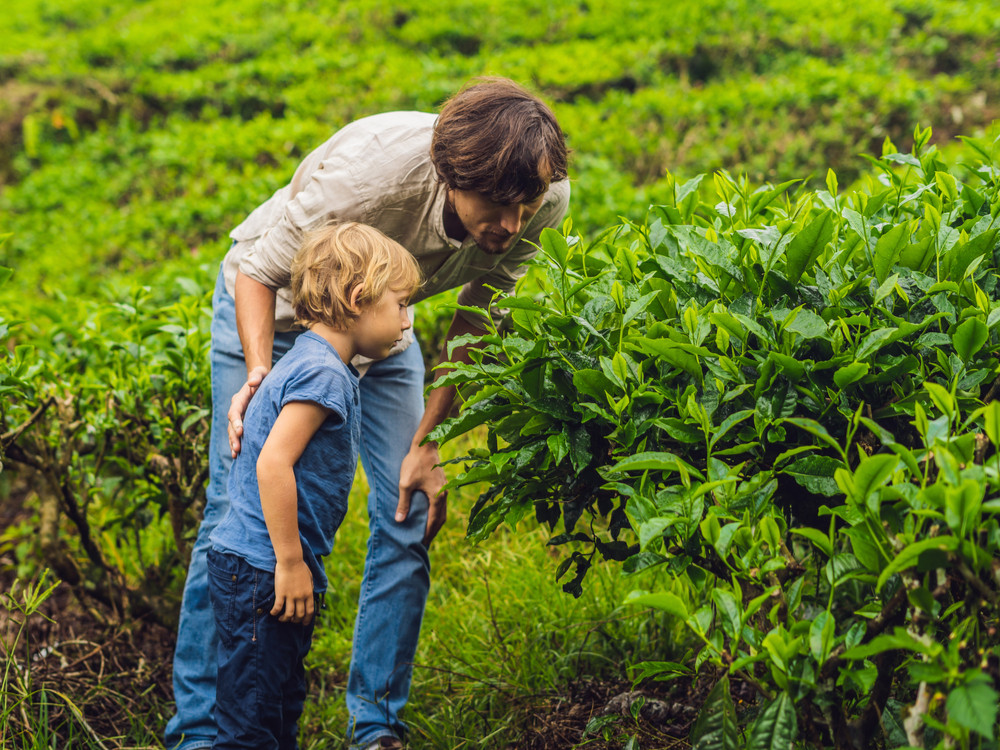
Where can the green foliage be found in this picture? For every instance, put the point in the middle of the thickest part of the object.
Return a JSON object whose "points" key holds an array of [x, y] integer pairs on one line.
{"points": [[785, 399], [138, 135], [133, 137], [109, 422]]}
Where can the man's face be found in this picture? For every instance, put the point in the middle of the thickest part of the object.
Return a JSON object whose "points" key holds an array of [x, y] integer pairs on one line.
{"points": [[493, 226]]}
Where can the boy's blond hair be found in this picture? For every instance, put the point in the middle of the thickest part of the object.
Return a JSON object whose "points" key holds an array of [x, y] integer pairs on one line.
{"points": [[339, 257]]}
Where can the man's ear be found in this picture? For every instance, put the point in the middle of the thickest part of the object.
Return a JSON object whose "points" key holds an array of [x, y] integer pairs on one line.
{"points": [[355, 296]]}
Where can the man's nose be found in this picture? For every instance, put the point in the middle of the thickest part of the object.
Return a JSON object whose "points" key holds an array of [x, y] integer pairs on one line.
{"points": [[511, 218]]}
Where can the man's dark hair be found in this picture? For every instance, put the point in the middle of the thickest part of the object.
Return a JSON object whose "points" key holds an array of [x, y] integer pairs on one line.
{"points": [[496, 138]]}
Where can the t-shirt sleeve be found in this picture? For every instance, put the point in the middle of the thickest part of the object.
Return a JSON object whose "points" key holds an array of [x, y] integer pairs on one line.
{"points": [[329, 194], [477, 293], [326, 386]]}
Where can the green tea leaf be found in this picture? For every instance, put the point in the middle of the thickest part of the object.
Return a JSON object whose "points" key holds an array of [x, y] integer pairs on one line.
{"points": [[777, 726], [808, 324], [595, 384], [807, 245], [910, 554], [888, 250], [662, 600], [974, 706], [817, 537], [872, 473], [716, 727], [991, 420], [729, 611], [969, 338], [873, 342], [815, 473], [918, 255], [851, 373]]}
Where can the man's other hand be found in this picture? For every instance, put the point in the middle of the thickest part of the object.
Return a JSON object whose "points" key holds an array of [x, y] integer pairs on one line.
{"points": [[420, 471], [238, 407]]}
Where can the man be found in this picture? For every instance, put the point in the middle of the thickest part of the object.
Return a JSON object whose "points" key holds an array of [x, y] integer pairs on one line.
{"points": [[466, 192]]}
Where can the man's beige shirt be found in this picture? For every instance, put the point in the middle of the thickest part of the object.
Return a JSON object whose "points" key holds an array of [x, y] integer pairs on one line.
{"points": [[378, 171]]}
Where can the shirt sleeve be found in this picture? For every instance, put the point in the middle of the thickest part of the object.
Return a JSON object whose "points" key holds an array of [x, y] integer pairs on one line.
{"points": [[504, 276], [323, 385], [329, 193]]}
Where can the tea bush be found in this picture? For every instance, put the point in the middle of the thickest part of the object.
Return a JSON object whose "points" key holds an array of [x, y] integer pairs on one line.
{"points": [[103, 106], [786, 399], [107, 424]]}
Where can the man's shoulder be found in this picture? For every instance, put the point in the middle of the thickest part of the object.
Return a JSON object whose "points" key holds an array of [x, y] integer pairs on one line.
{"points": [[393, 132], [387, 157]]}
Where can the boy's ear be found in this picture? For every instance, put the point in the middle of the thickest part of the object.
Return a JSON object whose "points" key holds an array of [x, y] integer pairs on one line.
{"points": [[355, 295]]}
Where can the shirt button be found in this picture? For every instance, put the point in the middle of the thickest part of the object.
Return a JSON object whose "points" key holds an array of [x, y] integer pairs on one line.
{"points": [[234, 578], [260, 611]]}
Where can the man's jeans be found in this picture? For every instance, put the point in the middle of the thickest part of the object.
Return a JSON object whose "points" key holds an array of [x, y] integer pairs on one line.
{"points": [[261, 680], [397, 568]]}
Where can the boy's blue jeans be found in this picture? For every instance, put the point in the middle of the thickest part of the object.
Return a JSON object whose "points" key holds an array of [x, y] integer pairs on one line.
{"points": [[261, 680], [397, 568]]}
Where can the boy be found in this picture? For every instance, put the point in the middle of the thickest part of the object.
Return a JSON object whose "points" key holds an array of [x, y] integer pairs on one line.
{"points": [[289, 486]]}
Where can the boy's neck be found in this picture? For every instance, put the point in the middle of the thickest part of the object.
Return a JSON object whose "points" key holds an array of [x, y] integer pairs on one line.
{"points": [[338, 339]]}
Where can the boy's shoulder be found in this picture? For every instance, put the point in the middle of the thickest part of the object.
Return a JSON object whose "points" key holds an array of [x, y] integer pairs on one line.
{"points": [[313, 370]]}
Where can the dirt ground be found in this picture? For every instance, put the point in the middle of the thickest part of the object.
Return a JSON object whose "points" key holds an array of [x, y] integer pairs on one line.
{"points": [[117, 676], [113, 679]]}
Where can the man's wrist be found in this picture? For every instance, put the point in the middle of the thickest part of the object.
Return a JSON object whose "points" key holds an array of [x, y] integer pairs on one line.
{"points": [[422, 444]]}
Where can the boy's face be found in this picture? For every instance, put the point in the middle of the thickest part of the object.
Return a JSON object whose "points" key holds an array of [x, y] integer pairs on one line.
{"points": [[381, 325]]}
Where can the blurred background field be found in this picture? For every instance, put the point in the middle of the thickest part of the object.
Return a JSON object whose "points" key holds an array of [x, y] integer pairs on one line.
{"points": [[135, 135]]}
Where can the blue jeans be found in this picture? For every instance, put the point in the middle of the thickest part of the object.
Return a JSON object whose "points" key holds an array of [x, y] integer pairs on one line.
{"points": [[261, 679], [397, 567]]}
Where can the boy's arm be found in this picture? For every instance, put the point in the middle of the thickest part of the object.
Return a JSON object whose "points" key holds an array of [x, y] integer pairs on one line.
{"points": [[297, 422]]}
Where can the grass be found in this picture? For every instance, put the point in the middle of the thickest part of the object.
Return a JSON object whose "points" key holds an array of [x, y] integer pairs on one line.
{"points": [[500, 640], [498, 635]]}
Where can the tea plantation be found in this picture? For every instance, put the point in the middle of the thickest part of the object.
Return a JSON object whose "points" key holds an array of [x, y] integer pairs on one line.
{"points": [[737, 453]]}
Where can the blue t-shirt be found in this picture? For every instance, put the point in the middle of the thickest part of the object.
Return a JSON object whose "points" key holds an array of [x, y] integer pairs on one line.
{"points": [[310, 371]]}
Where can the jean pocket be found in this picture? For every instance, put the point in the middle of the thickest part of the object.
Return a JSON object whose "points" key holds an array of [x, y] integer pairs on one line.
{"points": [[263, 593], [223, 584]]}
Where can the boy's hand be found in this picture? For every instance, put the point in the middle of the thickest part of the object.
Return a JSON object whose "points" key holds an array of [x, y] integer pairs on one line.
{"points": [[293, 593], [238, 407]]}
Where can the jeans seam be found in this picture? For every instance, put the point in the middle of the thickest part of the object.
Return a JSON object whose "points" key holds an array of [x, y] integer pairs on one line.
{"points": [[371, 575], [253, 612]]}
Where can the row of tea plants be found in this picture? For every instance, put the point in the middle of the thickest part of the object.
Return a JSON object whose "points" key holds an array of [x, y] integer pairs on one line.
{"points": [[787, 400], [102, 101], [103, 438]]}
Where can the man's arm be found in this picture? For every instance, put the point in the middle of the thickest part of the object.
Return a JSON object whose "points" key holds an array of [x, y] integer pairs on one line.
{"points": [[420, 470], [297, 422], [255, 325]]}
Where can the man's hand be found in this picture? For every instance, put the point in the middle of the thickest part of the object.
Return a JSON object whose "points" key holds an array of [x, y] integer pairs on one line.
{"points": [[293, 593], [420, 471], [238, 407]]}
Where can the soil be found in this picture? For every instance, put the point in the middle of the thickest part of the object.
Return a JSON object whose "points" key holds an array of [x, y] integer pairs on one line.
{"points": [[116, 677], [119, 675], [660, 720]]}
